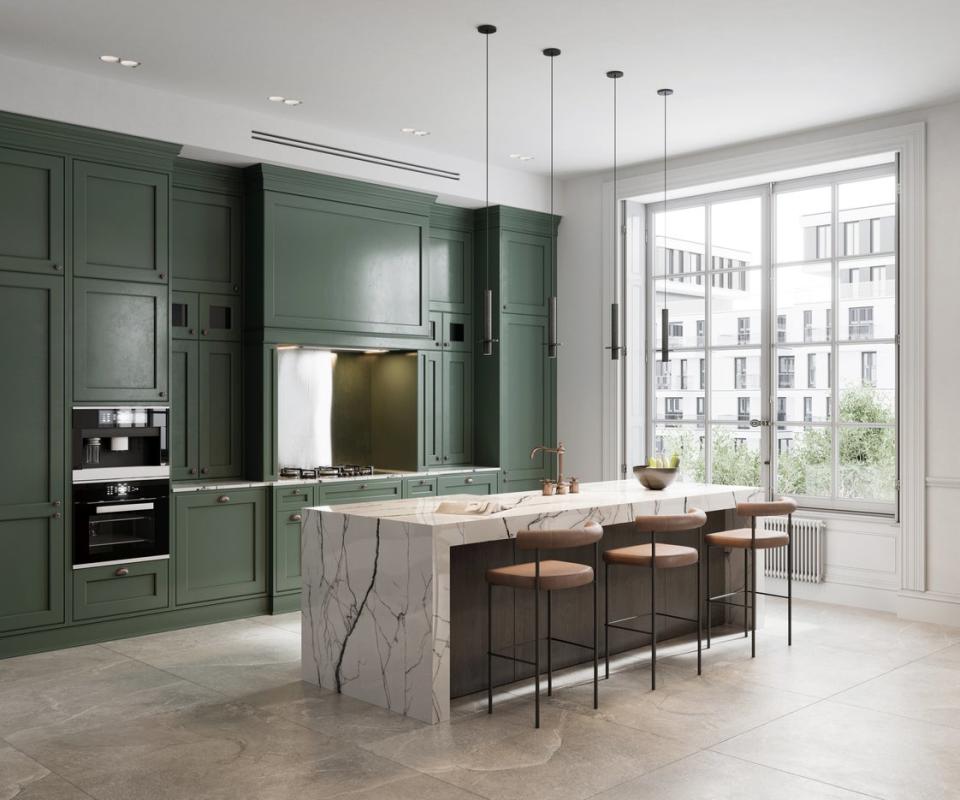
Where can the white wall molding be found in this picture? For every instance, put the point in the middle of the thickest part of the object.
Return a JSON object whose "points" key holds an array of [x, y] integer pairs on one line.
{"points": [[943, 482], [936, 607]]}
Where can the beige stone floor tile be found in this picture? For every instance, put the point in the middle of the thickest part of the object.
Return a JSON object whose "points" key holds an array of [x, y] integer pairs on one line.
{"points": [[288, 622], [25, 779], [503, 757], [711, 775], [222, 752], [858, 749]]}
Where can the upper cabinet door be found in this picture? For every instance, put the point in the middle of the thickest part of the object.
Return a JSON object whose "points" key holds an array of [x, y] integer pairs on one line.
{"points": [[451, 271], [457, 408], [119, 341], [121, 220], [206, 241], [220, 318], [333, 266], [526, 272], [219, 423], [31, 212]]}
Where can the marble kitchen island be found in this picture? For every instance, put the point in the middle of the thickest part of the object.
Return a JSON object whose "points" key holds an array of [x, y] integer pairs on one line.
{"points": [[387, 587]]}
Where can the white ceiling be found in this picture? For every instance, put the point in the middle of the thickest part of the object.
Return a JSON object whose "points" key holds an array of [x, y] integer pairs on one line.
{"points": [[742, 69]]}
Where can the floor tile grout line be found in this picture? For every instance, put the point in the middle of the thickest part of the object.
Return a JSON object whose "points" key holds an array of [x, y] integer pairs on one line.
{"points": [[51, 771]]}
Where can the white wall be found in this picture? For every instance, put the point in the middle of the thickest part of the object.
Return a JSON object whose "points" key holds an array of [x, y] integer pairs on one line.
{"points": [[580, 368], [222, 133]]}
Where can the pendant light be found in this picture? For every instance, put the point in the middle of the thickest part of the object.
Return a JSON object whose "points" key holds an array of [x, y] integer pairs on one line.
{"points": [[665, 313], [552, 343], [487, 341], [615, 347]]}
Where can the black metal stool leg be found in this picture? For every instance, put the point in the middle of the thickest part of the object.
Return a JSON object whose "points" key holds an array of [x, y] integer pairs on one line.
{"points": [[753, 603], [536, 657], [489, 648], [746, 590], [699, 620], [790, 580], [549, 644], [596, 635], [606, 620], [709, 606], [653, 618]]}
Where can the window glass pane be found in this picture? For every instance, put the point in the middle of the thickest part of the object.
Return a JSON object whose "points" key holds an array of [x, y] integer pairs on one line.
{"points": [[867, 375], [678, 386], [679, 237], [805, 463], [736, 233], [804, 296], [804, 231], [735, 375], [686, 441], [867, 299], [736, 307], [735, 455], [802, 383], [686, 308], [868, 458], [866, 210]]}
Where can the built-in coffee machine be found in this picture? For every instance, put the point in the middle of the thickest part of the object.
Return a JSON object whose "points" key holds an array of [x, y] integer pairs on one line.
{"points": [[121, 485]]}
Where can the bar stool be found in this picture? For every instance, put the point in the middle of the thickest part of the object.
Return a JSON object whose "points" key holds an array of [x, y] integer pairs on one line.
{"points": [[546, 576], [654, 557], [750, 540]]}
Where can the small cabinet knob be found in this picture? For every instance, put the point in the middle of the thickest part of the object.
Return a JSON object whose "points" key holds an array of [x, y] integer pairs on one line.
{"points": [[193, 470], [469, 480], [192, 331], [56, 515], [203, 331], [56, 503], [363, 486], [162, 394], [236, 287], [296, 517], [162, 276], [296, 491], [223, 499], [122, 572], [204, 470], [58, 267]]}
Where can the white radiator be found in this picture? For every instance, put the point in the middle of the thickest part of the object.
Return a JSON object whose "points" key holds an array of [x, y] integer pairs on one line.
{"points": [[807, 545]]}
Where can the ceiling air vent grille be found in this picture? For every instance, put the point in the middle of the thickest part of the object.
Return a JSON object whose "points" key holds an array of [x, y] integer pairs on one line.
{"points": [[329, 150]]}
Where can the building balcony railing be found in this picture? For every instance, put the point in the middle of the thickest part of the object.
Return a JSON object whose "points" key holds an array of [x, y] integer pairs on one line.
{"points": [[868, 289]]}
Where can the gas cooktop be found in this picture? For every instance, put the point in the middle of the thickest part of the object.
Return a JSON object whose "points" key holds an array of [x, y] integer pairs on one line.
{"points": [[335, 471]]}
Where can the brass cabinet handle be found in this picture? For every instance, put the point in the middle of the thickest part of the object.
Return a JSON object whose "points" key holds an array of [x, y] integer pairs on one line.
{"points": [[223, 499], [363, 486], [204, 470], [469, 480], [191, 331], [56, 503], [296, 491], [162, 275], [122, 572], [163, 394], [203, 331], [58, 267], [296, 517], [56, 515]]}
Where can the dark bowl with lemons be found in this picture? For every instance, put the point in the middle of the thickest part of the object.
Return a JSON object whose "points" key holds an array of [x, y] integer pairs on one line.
{"points": [[655, 477]]}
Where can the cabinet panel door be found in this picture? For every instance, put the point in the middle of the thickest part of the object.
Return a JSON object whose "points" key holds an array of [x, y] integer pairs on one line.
{"points": [[358, 491], [528, 392], [526, 272], [220, 317], [120, 589], [220, 415], [184, 410], [457, 408], [286, 531], [206, 240], [419, 487], [431, 418], [119, 341], [120, 227], [184, 315], [31, 212], [451, 270], [221, 545], [477, 483], [458, 332], [31, 567]]}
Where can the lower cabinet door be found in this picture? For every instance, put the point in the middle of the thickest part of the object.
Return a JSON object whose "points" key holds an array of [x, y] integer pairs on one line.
{"points": [[358, 491], [220, 545], [120, 589], [419, 487], [457, 408], [219, 423], [31, 568], [475, 483], [184, 410], [431, 404], [286, 566]]}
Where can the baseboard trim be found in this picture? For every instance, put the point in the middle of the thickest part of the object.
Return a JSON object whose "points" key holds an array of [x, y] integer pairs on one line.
{"points": [[284, 603], [936, 607], [872, 597]]}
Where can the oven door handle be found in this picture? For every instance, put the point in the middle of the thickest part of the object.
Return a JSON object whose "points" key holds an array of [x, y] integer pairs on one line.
{"points": [[124, 507]]}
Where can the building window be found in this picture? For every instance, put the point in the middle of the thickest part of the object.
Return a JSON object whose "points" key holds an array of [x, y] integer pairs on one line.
{"points": [[851, 239], [868, 367], [743, 330], [861, 322], [703, 372], [675, 330], [808, 326], [739, 442], [781, 409], [673, 408], [823, 241], [811, 370], [683, 374], [781, 328], [663, 374], [829, 325], [701, 336], [808, 409], [700, 409], [829, 408], [783, 445], [882, 235], [785, 372], [740, 372], [743, 411], [829, 370]]}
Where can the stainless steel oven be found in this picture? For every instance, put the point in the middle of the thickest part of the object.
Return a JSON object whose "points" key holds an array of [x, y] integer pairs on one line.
{"points": [[120, 521]]}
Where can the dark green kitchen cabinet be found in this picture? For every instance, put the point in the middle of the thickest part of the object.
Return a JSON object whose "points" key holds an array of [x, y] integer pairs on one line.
{"points": [[473, 483], [119, 341], [120, 222], [288, 504], [205, 316], [31, 212], [32, 476], [118, 589], [360, 491], [206, 240], [450, 331], [446, 418], [419, 487], [206, 409], [221, 545], [451, 270], [527, 279]]}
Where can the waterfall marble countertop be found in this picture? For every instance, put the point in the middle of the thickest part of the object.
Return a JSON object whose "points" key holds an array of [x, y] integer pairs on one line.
{"points": [[376, 579]]}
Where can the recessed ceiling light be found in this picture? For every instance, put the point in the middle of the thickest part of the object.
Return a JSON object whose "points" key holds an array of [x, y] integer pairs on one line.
{"points": [[526, 158], [110, 59], [521, 157], [287, 101], [407, 130], [275, 98], [421, 133], [514, 155], [291, 102], [129, 62]]}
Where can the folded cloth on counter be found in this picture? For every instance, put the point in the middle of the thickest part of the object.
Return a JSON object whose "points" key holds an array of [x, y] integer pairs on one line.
{"points": [[461, 507]]}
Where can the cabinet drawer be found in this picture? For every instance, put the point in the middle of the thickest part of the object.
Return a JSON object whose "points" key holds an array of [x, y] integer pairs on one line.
{"points": [[358, 492], [293, 498], [120, 589], [419, 487], [482, 483], [286, 551]]}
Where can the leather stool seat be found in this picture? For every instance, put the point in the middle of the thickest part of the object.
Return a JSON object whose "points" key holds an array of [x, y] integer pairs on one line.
{"points": [[741, 538], [668, 555], [553, 575]]}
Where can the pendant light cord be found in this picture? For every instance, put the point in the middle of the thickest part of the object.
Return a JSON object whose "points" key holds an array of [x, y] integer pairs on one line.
{"points": [[486, 249], [614, 251]]}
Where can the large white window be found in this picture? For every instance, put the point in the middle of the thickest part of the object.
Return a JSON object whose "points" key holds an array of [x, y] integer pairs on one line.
{"points": [[791, 291]]}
